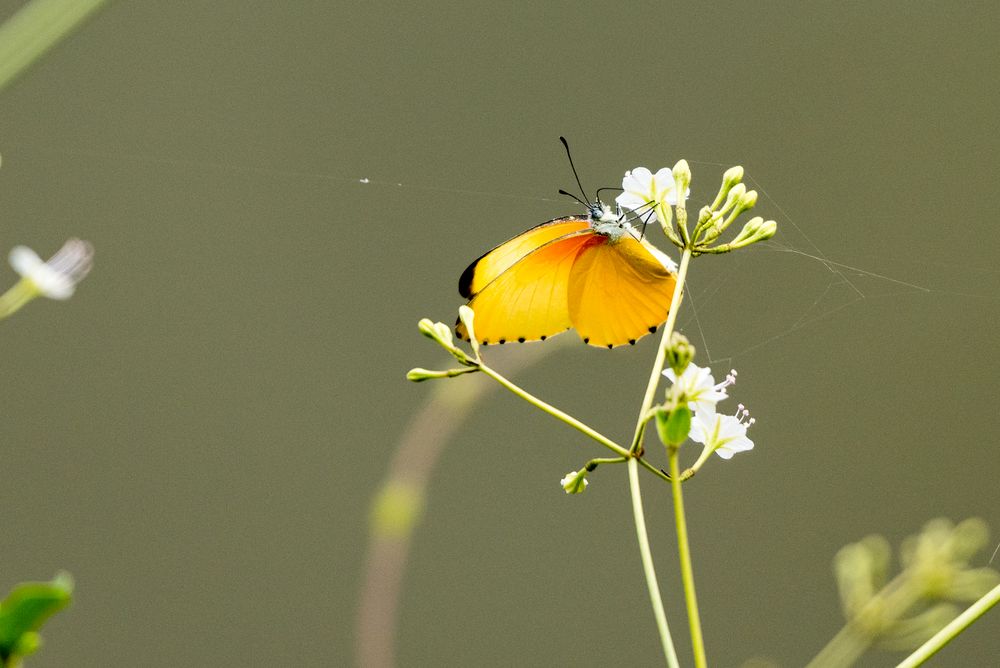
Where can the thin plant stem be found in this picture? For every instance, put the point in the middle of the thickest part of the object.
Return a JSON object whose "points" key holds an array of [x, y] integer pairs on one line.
{"points": [[556, 413], [35, 28], [949, 632], [652, 469], [687, 571], [633, 472], [661, 351], [647, 567], [597, 461], [20, 294]]}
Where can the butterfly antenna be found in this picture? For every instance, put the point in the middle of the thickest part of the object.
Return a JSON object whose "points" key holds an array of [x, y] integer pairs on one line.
{"points": [[577, 176], [586, 204], [644, 216], [598, 193]]}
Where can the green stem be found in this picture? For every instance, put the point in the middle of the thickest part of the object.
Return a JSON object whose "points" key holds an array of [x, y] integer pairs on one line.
{"points": [[687, 571], [20, 294], [36, 28], [948, 633], [652, 469], [844, 649], [647, 566], [594, 463], [555, 412], [633, 471], [661, 352]]}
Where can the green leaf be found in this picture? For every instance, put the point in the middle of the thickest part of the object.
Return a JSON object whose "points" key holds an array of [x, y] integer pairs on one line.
{"points": [[27, 607]]}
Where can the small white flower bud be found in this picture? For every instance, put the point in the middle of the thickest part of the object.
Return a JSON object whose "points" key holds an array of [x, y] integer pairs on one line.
{"points": [[574, 482], [733, 176], [682, 176], [466, 315]]}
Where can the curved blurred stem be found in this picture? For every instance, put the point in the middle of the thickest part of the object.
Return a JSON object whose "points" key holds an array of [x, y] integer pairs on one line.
{"points": [[845, 648], [687, 570], [948, 633], [669, 653], [36, 28], [413, 462]]}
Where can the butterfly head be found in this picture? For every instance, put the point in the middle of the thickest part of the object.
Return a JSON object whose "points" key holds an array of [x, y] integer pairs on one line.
{"points": [[607, 222]]}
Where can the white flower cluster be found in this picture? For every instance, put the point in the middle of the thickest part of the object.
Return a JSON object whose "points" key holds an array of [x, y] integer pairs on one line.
{"points": [[724, 435]]}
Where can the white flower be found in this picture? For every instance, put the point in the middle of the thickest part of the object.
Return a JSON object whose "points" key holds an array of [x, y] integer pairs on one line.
{"points": [[574, 482], [698, 388], [643, 191], [724, 435], [57, 278]]}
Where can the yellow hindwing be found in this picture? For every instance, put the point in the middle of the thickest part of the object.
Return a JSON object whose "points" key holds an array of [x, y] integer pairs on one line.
{"points": [[618, 292]]}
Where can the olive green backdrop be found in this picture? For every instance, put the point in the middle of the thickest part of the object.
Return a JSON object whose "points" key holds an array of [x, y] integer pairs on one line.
{"points": [[197, 434]]}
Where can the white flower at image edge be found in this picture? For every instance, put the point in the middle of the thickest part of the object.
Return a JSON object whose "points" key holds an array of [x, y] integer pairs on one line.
{"points": [[642, 190], [57, 278], [699, 389], [723, 434]]}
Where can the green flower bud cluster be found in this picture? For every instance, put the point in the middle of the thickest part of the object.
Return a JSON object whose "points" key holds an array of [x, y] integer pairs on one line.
{"points": [[440, 333], [904, 612], [732, 200], [679, 353]]}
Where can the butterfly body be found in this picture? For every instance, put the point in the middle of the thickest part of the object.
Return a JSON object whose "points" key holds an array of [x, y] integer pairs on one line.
{"points": [[593, 273]]}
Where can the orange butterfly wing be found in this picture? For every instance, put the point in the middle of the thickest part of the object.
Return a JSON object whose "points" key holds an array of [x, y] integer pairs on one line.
{"points": [[528, 301], [618, 292], [491, 264]]}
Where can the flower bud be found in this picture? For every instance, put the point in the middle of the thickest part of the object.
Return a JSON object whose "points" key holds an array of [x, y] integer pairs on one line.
{"points": [[732, 197], [575, 482], [443, 333], [682, 179], [747, 201], [418, 375], [680, 352], [767, 230], [732, 176], [426, 327], [750, 229], [466, 315]]}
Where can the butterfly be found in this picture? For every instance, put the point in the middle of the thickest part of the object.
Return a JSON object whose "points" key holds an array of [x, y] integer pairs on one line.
{"points": [[594, 273]]}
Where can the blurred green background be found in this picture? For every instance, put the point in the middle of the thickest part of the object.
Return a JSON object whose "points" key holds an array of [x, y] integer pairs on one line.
{"points": [[197, 435]]}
